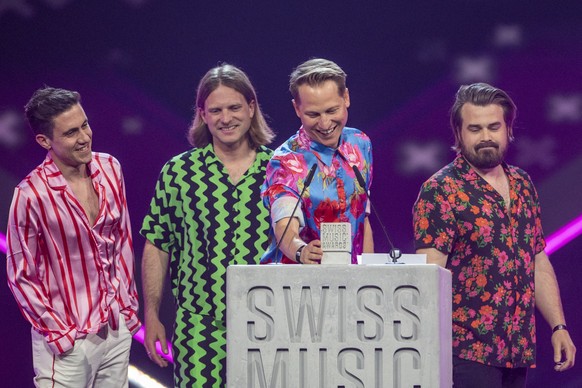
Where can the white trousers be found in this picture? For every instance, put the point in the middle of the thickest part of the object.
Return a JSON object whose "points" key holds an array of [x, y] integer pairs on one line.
{"points": [[96, 360]]}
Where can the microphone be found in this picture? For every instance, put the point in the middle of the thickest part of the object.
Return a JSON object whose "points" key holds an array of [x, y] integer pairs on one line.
{"points": [[395, 253], [306, 184]]}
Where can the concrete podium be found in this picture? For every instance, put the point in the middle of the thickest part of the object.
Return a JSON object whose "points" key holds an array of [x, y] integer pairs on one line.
{"points": [[314, 326]]}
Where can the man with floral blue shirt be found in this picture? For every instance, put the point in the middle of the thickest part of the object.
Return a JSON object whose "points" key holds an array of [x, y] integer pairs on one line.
{"points": [[321, 100]]}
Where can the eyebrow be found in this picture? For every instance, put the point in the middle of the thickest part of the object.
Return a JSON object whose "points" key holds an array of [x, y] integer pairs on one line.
{"points": [[479, 126], [70, 130], [220, 106], [325, 110]]}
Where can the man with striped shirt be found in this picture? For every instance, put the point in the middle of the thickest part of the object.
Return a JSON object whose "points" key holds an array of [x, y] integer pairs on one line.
{"points": [[206, 214], [70, 255]]}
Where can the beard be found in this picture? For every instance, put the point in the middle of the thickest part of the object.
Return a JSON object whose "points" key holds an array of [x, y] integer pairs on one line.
{"points": [[487, 158]]}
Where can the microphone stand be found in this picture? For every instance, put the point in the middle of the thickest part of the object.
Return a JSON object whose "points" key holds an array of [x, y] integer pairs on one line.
{"points": [[395, 253], [306, 184]]}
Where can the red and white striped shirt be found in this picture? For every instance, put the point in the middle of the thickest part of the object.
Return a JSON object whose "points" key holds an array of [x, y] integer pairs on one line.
{"points": [[69, 277]]}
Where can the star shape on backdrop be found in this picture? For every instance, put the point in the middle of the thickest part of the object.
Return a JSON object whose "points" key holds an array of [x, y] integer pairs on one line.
{"points": [[136, 3], [565, 108], [474, 69], [132, 125], [56, 4], [508, 36], [20, 7], [11, 129], [27, 10], [430, 51], [541, 152], [420, 158], [118, 57]]}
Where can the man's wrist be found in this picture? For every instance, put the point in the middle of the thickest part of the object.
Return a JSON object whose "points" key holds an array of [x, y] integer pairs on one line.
{"points": [[298, 253], [561, 326]]}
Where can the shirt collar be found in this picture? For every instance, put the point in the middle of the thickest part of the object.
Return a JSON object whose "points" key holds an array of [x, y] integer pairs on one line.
{"points": [[55, 178], [263, 156], [209, 154], [263, 153], [469, 173], [323, 152]]}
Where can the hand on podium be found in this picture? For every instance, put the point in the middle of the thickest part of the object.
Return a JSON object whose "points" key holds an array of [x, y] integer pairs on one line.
{"points": [[311, 253]]}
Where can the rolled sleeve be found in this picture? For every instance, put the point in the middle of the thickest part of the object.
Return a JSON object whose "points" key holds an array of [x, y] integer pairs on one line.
{"points": [[283, 208]]}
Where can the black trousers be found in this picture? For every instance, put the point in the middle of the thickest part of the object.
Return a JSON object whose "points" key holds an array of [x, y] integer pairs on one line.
{"points": [[470, 374]]}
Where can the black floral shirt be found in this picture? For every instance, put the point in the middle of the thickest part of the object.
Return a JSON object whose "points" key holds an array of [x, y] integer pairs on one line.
{"points": [[491, 255]]}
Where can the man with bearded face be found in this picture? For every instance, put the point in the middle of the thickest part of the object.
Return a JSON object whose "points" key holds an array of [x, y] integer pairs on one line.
{"points": [[480, 218], [321, 100]]}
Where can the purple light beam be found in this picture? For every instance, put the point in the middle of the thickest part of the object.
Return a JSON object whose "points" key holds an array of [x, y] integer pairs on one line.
{"points": [[3, 246], [140, 336], [564, 235]]}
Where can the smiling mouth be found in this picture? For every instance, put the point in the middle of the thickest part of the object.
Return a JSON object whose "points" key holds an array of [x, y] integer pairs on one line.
{"points": [[229, 128], [327, 132]]}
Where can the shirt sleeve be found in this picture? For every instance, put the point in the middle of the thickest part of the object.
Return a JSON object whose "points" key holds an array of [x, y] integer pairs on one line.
{"points": [[284, 182], [283, 208], [281, 178], [284, 178], [540, 241], [370, 173], [126, 260], [157, 225], [27, 274], [433, 219]]}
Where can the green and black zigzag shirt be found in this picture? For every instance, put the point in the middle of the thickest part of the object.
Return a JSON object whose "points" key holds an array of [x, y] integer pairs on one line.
{"points": [[206, 223]]}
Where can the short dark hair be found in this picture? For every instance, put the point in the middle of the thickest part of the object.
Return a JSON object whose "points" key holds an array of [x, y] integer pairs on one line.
{"points": [[230, 76], [315, 72], [46, 104], [481, 94]]}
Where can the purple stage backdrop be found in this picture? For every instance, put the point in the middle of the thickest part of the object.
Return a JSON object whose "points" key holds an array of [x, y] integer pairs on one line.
{"points": [[137, 64]]}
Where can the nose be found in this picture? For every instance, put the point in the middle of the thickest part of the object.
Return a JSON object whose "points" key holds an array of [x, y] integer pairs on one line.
{"points": [[225, 116], [324, 122], [86, 135], [486, 135]]}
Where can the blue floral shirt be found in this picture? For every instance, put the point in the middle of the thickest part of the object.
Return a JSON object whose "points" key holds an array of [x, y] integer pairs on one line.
{"points": [[334, 194]]}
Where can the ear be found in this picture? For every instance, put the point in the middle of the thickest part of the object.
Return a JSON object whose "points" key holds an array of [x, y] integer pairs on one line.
{"points": [[347, 97], [43, 141], [296, 107], [202, 115], [252, 105]]}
